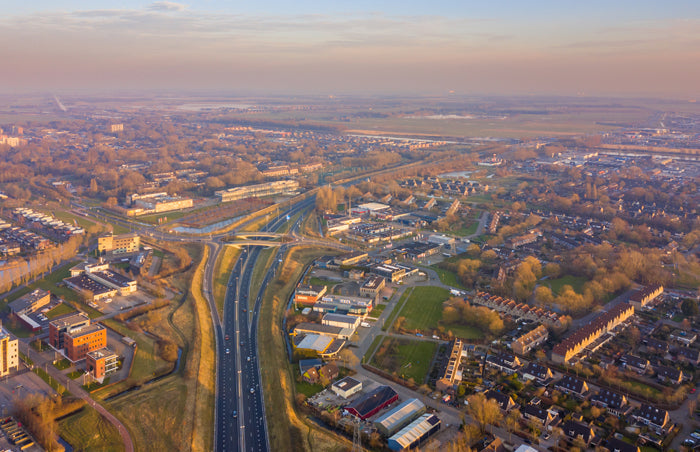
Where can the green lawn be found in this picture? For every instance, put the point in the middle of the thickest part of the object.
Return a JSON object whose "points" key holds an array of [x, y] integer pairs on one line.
{"points": [[50, 381], [576, 282], [61, 309], [68, 217], [375, 343], [75, 374], [377, 311], [147, 363], [411, 359], [62, 364], [397, 309], [447, 277], [89, 430], [308, 389], [462, 232], [464, 331], [423, 309]]}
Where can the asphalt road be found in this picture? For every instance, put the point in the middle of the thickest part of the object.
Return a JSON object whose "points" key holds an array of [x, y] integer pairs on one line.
{"points": [[240, 413]]}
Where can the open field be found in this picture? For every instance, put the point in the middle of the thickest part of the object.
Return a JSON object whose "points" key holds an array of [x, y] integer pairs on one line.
{"points": [[556, 285], [399, 305], [263, 263], [447, 277], [285, 426], [423, 309], [464, 331], [70, 217], [88, 430], [61, 309], [405, 358]]}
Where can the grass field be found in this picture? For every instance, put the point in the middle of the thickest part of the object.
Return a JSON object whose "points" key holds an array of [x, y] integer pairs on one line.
{"points": [[576, 282], [69, 217], [88, 430], [61, 309], [423, 309], [307, 388], [147, 363], [447, 277], [471, 229], [377, 311], [464, 331], [373, 347], [405, 358], [392, 317]]}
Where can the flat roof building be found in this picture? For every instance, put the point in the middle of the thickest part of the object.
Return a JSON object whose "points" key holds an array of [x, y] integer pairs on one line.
{"points": [[78, 342], [59, 326], [9, 353], [118, 244], [101, 363], [31, 302], [346, 387]]}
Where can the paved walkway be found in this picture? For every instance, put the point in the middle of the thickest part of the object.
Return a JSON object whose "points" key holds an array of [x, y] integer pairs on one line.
{"points": [[75, 389]]}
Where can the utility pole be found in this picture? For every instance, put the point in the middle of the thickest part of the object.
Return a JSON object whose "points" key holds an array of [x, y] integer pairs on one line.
{"points": [[356, 436]]}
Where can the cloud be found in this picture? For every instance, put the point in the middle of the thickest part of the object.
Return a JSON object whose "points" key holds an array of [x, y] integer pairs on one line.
{"points": [[167, 6]]}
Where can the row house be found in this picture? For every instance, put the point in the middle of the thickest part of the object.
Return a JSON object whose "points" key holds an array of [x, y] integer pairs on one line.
{"points": [[635, 363], [586, 335], [670, 375], [616, 404], [541, 374], [504, 362], [652, 416], [518, 310], [572, 385], [544, 417], [504, 401], [530, 340]]}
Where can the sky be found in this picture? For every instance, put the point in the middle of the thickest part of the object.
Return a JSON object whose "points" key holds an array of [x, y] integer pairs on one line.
{"points": [[506, 47]]}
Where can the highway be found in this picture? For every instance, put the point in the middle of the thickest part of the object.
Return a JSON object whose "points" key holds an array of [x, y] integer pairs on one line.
{"points": [[240, 412]]}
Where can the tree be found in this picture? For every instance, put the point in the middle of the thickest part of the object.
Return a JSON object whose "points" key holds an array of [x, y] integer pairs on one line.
{"points": [[484, 411], [689, 307], [512, 421]]}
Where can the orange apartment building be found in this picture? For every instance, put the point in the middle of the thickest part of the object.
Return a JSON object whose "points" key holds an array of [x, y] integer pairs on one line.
{"points": [[101, 363], [74, 334]]}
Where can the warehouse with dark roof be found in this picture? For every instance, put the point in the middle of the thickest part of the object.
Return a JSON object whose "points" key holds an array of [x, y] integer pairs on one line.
{"points": [[370, 404]]}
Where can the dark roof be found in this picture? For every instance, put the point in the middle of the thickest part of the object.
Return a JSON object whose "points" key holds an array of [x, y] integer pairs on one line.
{"points": [[377, 398], [503, 360], [533, 410], [346, 383], [635, 361], [499, 397], [617, 445], [655, 415], [536, 370], [572, 384], [609, 398], [669, 372], [306, 364], [692, 354], [644, 292], [575, 429], [656, 344]]}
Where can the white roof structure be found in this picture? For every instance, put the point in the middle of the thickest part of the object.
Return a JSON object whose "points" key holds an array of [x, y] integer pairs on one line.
{"points": [[315, 342]]}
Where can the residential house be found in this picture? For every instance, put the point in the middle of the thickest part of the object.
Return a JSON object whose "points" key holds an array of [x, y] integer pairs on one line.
{"points": [[616, 404], [652, 416], [505, 402], [541, 374], [504, 362], [577, 430], [690, 355], [535, 413], [530, 340], [572, 385], [656, 346], [617, 445], [667, 374], [635, 363]]}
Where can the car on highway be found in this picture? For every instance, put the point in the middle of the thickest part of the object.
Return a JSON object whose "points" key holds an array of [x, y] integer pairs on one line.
{"points": [[226, 337], [252, 390], [228, 351], [248, 358], [235, 413]]}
